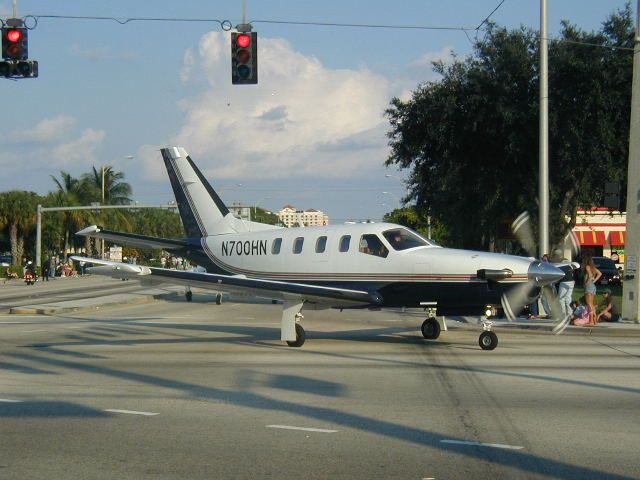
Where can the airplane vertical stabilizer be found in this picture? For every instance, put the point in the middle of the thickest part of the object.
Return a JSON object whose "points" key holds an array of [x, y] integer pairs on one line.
{"points": [[203, 212]]}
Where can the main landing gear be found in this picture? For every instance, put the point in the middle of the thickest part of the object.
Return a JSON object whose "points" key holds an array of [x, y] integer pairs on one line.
{"points": [[488, 340], [430, 328], [300, 336], [290, 329]]}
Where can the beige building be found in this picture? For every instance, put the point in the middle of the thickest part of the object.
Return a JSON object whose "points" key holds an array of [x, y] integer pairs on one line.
{"points": [[601, 232], [292, 217]]}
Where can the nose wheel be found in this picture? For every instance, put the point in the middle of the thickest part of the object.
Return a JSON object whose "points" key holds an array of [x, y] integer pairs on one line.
{"points": [[488, 340]]}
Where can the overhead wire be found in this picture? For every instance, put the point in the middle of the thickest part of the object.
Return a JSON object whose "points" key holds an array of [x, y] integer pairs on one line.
{"points": [[227, 25]]}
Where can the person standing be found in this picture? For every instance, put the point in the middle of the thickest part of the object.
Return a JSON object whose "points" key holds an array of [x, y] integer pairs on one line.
{"points": [[591, 275], [566, 286], [46, 267]]}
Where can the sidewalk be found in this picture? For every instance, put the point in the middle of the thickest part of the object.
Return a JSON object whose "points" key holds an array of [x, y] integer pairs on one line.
{"points": [[522, 324], [97, 303]]}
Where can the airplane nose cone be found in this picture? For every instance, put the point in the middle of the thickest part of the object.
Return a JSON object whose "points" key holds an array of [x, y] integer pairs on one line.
{"points": [[543, 273]]}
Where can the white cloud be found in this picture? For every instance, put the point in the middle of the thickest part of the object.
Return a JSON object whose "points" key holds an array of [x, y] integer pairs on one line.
{"points": [[427, 59], [48, 130], [289, 120], [79, 151]]}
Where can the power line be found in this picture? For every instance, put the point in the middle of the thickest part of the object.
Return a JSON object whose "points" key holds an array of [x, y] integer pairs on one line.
{"points": [[489, 16], [226, 25], [365, 25]]}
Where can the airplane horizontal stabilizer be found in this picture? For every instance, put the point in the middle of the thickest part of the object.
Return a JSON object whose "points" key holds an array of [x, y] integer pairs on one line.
{"points": [[133, 239]]}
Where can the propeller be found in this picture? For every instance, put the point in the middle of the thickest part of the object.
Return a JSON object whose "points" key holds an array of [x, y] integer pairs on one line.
{"points": [[541, 275]]}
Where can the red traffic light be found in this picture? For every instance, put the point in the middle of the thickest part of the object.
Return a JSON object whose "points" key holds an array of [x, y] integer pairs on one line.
{"points": [[14, 35], [243, 40]]}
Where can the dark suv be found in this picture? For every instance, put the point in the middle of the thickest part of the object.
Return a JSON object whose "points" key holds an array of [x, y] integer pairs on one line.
{"points": [[610, 273]]}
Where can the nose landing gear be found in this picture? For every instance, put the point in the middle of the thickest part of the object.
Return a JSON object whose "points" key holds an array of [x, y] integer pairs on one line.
{"points": [[488, 340]]}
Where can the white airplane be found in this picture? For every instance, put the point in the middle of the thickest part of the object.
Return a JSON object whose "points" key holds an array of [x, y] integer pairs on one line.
{"points": [[367, 265]]}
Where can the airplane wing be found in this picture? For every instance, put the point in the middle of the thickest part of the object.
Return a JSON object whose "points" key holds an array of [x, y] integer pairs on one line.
{"points": [[133, 239], [240, 284]]}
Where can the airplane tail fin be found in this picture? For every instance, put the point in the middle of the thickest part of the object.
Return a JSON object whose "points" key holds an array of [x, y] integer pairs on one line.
{"points": [[202, 211]]}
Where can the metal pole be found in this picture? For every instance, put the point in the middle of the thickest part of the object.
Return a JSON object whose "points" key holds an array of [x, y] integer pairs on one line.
{"points": [[38, 236], [543, 184], [102, 239], [631, 285]]}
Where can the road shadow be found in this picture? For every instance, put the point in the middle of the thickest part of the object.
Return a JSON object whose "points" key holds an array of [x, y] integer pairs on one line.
{"points": [[516, 459]]}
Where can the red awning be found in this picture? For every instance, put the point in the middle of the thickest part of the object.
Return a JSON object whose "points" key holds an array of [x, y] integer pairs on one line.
{"points": [[591, 237], [616, 237]]}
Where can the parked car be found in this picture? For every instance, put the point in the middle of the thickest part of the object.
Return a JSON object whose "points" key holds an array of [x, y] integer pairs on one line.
{"points": [[610, 273]]}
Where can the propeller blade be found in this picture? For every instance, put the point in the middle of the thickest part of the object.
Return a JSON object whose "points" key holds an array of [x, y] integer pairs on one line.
{"points": [[556, 310], [521, 228], [514, 300]]}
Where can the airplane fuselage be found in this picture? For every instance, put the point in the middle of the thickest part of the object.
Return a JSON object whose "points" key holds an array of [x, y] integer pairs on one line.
{"points": [[364, 256]]}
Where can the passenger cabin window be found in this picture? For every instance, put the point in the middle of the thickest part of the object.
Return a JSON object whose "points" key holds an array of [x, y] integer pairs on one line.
{"points": [[345, 240], [297, 245], [372, 245], [321, 244], [275, 246], [402, 239]]}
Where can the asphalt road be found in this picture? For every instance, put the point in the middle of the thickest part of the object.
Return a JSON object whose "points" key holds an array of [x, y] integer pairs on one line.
{"points": [[193, 390]]}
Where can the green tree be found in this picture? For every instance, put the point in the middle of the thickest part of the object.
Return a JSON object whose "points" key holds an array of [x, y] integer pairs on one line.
{"points": [[470, 138], [418, 220], [18, 214], [263, 216]]}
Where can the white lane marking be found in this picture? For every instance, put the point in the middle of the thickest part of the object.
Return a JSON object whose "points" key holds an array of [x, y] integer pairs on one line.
{"points": [[480, 444], [304, 429], [31, 331], [131, 412], [7, 400], [19, 323]]}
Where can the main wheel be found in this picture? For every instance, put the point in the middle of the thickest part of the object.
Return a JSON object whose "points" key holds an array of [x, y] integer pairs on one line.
{"points": [[219, 299], [189, 295], [488, 340], [430, 328], [300, 337]]}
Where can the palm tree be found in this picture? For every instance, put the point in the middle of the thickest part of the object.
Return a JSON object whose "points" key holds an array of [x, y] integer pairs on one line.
{"points": [[116, 191], [18, 213], [70, 192]]}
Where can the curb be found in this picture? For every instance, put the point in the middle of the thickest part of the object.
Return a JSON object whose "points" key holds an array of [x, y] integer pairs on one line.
{"points": [[546, 330], [53, 309]]}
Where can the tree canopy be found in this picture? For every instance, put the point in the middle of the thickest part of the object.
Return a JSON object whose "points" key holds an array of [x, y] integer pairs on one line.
{"points": [[470, 138]]}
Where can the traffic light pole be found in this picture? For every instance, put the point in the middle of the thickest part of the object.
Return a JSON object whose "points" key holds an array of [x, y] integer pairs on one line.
{"points": [[631, 285]]}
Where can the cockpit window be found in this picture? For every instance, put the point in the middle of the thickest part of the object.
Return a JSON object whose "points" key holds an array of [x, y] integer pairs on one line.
{"points": [[372, 245], [401, 239]]}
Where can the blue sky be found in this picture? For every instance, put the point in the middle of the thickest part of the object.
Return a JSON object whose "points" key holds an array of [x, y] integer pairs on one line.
{"points": [[311, 133]]}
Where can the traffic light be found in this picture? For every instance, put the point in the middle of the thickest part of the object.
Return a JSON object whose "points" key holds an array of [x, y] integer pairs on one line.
{"points": [[15, 53], [244, 58], [15, 43]]}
